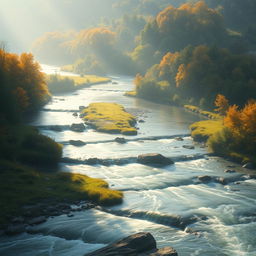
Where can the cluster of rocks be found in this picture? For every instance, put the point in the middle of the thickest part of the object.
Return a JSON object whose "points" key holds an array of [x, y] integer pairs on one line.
{"points": [[140, 244], [152, 159], [225, 180], [38, 213]]}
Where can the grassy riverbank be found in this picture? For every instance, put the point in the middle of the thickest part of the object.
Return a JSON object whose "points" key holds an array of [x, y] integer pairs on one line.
{"points": [[109, 118], [26, 158], [59, 83], [22, 185], [203, 130], [221, 139]]}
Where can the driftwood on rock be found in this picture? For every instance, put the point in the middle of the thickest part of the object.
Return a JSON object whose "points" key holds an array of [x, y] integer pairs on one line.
{"points": [[140, 244]]}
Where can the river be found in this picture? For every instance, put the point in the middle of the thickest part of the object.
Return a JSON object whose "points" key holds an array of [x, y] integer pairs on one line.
{"points": [[221, 218]]}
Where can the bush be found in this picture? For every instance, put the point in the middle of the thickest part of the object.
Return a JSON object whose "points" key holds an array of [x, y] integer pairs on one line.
{"points": [[25, 144]]}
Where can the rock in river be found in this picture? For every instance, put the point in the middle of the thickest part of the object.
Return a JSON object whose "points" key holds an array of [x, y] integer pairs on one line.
{"points": [[188, 146], [142, 243], [205, 178], [77, 143], [77, 127], [154, 158], [120, 140]]}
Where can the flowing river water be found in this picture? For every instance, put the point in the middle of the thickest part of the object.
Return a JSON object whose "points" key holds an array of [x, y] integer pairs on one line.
{"points": [[193, 217]]}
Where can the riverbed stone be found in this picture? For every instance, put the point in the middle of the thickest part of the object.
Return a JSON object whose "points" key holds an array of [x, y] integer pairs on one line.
{"points": [[140, 244], [167, 251], [154, 158], [81, 107], [205, 178], [221, 180], [229, 171], [120, 140], [92, 161], [131, 245], [77, 127], [77, 143], [179, 138]]}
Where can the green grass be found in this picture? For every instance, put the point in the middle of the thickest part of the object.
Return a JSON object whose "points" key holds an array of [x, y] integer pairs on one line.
{"points": [[59, 83], [201, 131], [198, 110], [21, 185], [86, 79], [110, 118], [24, 144]]}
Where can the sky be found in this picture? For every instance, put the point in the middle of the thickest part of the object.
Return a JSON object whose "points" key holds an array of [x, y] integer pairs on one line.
{"points": [[22, 21]]}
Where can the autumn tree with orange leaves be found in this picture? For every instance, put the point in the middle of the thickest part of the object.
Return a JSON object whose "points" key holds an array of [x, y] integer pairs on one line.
{"points": [[22, 85], [222, 104]]}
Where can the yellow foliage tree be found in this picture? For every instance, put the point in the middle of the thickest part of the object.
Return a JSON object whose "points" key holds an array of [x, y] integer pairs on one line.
{"points": [[222, 104], [181, 74], [233, 120]]}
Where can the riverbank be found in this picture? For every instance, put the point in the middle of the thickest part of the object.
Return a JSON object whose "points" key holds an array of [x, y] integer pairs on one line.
{"points": [[220, 139], [22, 185], [28, 174], [68, 83]]}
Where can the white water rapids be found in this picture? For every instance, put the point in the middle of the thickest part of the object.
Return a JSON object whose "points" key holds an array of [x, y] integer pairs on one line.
{"points": [[154, 198]]}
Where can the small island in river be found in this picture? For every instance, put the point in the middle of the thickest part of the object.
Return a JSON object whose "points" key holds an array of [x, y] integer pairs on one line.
{"points": [[110, 118]]}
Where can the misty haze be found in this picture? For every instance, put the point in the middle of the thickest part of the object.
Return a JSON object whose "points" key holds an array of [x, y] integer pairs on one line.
{"points": [[127, 127]]}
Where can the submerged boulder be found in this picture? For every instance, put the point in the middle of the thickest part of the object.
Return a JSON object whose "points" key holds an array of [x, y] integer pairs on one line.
{"points": [[205, 178], [120, 140], [77, 127], [77, 143], [188, 146], [154, 158], [142, 243]]}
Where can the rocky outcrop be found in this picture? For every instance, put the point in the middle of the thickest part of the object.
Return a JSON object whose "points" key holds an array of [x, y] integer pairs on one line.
{"points": [[154, 159], [140, 244]]}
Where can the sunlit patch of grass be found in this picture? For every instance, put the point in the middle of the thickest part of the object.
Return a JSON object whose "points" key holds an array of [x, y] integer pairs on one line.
{"points": [[25, 144], [21, 185], [198, 110], [110, 118], [203, 130], [86, 79], [59, 83]]}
